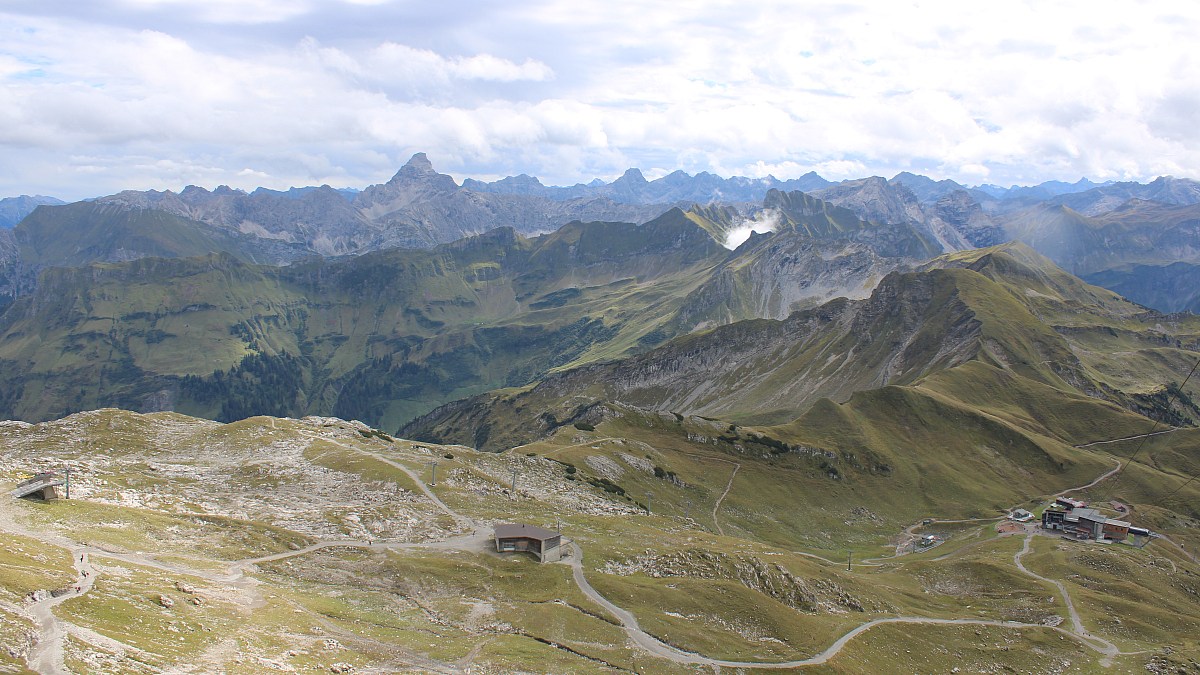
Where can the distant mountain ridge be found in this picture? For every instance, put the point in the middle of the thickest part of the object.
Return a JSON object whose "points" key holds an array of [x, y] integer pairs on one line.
{"points": [[14, 209], [1085, 227], [417, 208], [677, 186]]}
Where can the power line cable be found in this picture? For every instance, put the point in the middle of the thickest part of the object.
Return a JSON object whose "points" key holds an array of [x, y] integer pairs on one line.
{"points": [[1174, 395], [1173, 492]]}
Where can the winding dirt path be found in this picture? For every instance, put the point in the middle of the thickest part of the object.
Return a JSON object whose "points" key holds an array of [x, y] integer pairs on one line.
{"points": [[728, 486], [660, 649], [717, 505], [461, 520], [46, 655], [1099, 644], [1104, 476]]}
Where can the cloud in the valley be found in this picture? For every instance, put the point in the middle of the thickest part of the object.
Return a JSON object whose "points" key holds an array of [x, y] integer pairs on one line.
{"points": [[110, 94], [763, 222]]}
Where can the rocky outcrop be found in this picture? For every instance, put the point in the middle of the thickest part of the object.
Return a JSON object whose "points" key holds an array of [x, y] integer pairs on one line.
{"points": [[810, 596]]}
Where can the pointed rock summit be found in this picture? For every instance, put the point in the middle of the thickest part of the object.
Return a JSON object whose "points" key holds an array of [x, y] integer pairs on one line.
{"points": [[419, 170], [631, 176]]}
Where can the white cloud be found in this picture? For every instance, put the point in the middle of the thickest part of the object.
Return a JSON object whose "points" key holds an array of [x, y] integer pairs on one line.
{"points": [[763, 222], [228, 11], [305, 90]]}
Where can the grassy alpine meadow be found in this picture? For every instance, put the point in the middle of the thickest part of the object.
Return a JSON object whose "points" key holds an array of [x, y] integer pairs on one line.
{"points": [[718, 544]]}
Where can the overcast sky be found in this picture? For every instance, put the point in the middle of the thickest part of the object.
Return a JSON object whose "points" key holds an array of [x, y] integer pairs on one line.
{"points": [[103, 95]]}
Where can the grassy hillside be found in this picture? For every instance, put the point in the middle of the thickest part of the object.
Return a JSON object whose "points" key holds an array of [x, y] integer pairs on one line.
{"points": [[383, 337], [1005, 308], [308, 544], [390, 335]]}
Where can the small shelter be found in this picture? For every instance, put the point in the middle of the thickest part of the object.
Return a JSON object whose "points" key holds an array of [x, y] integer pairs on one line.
{"points": [[42, 486], [513, 537]]}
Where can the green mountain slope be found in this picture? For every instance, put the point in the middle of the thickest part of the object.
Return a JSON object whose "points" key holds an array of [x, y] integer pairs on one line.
{"points": [[390, 335], [85, 232], [382, 337], [1005, 308]]}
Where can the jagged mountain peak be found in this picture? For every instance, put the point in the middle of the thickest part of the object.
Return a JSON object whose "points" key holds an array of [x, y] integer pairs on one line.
{"points": [[419, 170], [631, 176], [418, 162]]}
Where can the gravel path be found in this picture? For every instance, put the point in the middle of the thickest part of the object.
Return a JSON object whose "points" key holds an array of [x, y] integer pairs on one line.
{"points": [[46, 655], [662, 650], [1099, 644], [1126, 438]]}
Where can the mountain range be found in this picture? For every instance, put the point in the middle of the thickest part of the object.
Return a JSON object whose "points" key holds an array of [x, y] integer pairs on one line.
{"points": [[719, 401], [1084, 227], [372, 304]]}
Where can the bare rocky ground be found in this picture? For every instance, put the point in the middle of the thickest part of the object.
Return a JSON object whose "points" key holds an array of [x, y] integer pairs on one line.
{"points": [[297, 483]]}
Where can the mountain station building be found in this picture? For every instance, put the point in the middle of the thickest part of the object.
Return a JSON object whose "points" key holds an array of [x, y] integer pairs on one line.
{"points": [[1085, 523]]}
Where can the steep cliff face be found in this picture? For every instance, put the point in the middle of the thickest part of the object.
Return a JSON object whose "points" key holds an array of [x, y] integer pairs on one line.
{"points": [[874, 199], [9, 262], [776, 275], [959, 218], [889, 233]]}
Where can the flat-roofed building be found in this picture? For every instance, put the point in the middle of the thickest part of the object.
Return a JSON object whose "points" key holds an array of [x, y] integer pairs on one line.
{"points": [[1068, 503], [543, 543], [1053, 519], [1117, 530], [1092, 521]]}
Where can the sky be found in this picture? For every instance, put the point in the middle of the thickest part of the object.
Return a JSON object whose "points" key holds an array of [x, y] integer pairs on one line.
{"points": [[105, 95]]}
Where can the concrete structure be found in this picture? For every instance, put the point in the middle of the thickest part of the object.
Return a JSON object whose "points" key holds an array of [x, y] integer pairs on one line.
{"points": [[1085, 523], [543, 543], [1089, 523], [1021, 516], [41, 486], [1053, 519]]}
